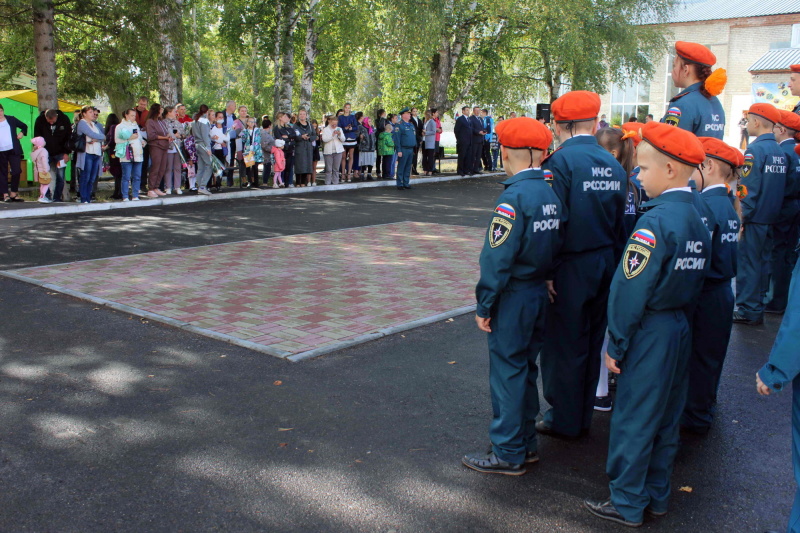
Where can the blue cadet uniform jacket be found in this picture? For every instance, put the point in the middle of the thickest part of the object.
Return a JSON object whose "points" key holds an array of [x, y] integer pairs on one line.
{"points": [[663, 266], [702, 207], [523, 238], [725, 239], [791, 194], [690, 110], [783, 366], [764, 175], [593, 188], [407, 135]]}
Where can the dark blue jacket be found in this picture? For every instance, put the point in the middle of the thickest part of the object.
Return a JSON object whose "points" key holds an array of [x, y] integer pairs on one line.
{"points": [[663, 266], [791, 193], [764, 175], [463, 130], [477, 127], [349, 120], [725, 240], [706, 215], [692, 111], [784, 363], [523, 238], [15, 124], [593, 187]]}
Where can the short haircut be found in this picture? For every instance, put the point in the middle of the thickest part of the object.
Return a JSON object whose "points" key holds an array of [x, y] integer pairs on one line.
{"points": [[144, 99], [229, 102], [413, 108], [486, 111], [51, 113], [650, 116], [348, 104], [464, 108], [433, 110]]}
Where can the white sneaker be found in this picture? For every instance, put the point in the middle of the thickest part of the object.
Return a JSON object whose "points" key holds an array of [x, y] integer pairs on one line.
{"points": [[135, 199], [291, 186], [204, 192], [168, 191], [126, 200], [276, 186], [178, 191], [45, 200]]}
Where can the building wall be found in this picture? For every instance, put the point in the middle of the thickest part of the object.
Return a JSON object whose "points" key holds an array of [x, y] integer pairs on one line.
{"points": [[737, 43]]}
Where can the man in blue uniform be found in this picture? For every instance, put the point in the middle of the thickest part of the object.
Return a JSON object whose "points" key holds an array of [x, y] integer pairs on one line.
{"points": [[406, 141], [782, 369], [696, 108], [713, 317], [478, 132], [463, 133], [764, 177], [523, 239], [593, 186], [661, 273], [785, 230]]}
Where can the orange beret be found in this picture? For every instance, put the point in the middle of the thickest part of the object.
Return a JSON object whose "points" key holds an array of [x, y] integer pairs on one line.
{"points": [[680, 145], [523, 132], [696, 53], [789, 119], [722, 151], [631, 131], [795, 68], [576, 106], [767, 111]]}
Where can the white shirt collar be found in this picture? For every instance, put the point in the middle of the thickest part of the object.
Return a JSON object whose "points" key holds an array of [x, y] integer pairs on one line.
{"points": [[717, 186], [684, 189]]}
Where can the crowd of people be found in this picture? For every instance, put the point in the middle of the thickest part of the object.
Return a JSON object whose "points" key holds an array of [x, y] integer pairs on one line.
{"points": [[616, 254], [153, 151]]}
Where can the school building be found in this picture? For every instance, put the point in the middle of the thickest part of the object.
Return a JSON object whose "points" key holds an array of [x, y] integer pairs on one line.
{"points": [[754, 40]]}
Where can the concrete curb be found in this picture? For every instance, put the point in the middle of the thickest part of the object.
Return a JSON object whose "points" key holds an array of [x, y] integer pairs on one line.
{"points": [[310, 354], [70, 209]]}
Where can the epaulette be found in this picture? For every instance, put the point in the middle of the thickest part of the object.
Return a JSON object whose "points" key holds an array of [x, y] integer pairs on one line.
{"points": [[548, 156]]}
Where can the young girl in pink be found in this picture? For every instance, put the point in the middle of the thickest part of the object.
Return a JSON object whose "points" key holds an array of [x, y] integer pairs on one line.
{"points": [[41, 163], [280, 162]]}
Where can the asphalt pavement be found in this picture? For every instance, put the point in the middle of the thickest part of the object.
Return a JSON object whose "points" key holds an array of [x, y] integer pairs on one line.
{"points": [[113, 423]]}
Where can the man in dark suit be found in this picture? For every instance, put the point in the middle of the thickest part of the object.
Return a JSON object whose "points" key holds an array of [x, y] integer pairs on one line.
{"points": [[417, 123], [478, 132], [463, 132]]}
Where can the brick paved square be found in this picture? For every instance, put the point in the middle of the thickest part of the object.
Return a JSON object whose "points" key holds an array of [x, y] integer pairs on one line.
{"points": [[297, 293]]}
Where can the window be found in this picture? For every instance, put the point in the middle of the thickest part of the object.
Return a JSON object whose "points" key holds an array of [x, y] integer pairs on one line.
{"points": [[672, 91], [630, 100]]}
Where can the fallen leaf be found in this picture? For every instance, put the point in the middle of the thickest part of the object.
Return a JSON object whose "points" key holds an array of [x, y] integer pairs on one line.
{"points": [[223, 356], [283, 444], [310, 451], [685, 489], [450, 320], [451, 363], [151, 376], [277, 383], [403, 336], [359, 461], [285, 429], [96, 309]]}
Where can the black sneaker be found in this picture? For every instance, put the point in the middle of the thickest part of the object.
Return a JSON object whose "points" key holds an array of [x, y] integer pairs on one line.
{"points": [[544, 429], [603, 403], [531, 458], [741, 319], [489, 463], [655, 514], [772, 311], [607, 511]]}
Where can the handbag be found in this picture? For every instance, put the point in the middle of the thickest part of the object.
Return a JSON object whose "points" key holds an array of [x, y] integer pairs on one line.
{"points": [[249, 159], [44, 178]]}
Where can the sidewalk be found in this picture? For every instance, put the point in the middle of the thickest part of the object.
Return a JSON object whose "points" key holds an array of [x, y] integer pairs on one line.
{"points": [[35, 209]]}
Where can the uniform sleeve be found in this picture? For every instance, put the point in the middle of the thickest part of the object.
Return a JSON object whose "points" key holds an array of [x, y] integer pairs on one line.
{"points": [[784, 360], [633, 285], [503, 240], [752, 178], [561, 183]]}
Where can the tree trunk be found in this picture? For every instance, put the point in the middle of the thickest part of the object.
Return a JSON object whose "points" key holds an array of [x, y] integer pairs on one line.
{"points": [[309, 57], [255, 82], [45, 54], [168, 16], [444, 62], [276, 58], [179, 75], [286, 91]]}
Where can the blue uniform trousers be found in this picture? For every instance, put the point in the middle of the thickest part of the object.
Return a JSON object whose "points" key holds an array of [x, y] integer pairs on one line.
{"points": [[644, 427], [576, 326], [784, 256], [752, 276], [711, 332], [518, 330], [794, 518], [404, 166]]}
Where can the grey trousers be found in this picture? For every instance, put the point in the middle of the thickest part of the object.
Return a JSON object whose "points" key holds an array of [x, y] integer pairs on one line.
{"points": [[203, 169], [333, 163]]}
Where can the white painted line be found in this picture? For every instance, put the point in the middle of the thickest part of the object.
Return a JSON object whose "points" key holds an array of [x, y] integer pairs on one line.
{"points": [[178, 200]]}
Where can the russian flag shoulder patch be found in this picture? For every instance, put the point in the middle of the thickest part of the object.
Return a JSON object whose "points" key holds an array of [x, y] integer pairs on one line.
{"points": [[506, 210], [644, 236]]}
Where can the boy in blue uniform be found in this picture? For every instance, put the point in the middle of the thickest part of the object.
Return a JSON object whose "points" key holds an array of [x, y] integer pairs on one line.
{"points": [[406, 141], [713, 317], [522, 241], [661, 273], [782, 369], [696, 108], [764, 177], [592, 186], [785, 230]]}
